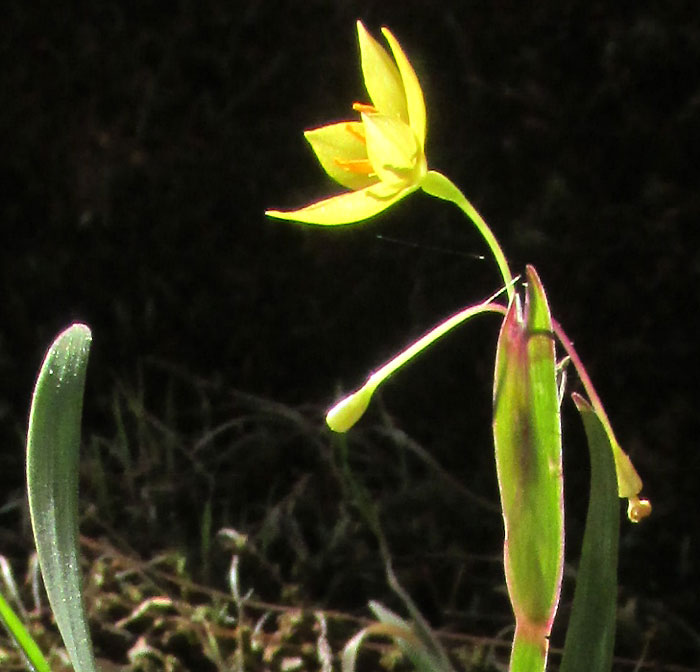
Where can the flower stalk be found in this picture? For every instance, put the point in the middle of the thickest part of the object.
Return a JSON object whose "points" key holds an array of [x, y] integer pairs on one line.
{"points": [[351, 408]]}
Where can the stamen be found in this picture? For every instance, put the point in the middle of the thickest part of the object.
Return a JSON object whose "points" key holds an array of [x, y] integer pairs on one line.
{"points": [[356, 131], [363, 107], [359, 166]]}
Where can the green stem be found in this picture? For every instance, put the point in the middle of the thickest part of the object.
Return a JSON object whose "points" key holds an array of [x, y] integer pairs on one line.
{"points": [[528, 655], [433, 335], [436, 184], [628, 481], [351, 408], [585, 379]]}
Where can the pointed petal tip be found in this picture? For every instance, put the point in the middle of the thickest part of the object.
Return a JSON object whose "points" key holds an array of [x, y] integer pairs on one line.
{"points": [[277, 214], [411, 87]]}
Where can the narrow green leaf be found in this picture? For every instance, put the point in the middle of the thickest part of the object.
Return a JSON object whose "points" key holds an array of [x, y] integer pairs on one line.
{"points": [[417, 649], [527, 435], [590, 638], [52, 483], [22, 637]]}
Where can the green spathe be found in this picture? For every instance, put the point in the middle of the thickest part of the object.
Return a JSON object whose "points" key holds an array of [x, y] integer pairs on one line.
{"points": [[527, 435]]}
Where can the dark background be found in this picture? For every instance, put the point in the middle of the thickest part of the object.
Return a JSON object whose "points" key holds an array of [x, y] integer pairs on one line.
{"points": [[141, 143]]}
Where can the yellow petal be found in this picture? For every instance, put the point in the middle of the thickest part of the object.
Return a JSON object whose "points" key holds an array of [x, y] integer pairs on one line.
{"points": [[347, 208], [414, 94], [338, 143], [392, 149], [628, 482], [382, 79]]}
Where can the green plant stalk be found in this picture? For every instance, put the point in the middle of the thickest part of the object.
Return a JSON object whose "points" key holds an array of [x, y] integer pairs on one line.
{"points": [[52, 484], [350, 409], [628, 481], [438, 185]]}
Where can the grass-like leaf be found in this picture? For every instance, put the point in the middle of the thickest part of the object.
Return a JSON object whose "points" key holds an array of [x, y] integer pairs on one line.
{"points": [[52, 483], [22, 638], [414, 647], [591, 635]]}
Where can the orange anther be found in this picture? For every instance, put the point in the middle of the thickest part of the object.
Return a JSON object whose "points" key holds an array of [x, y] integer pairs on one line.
{"points": [[356, 131], [359, 166], [363, 107]]}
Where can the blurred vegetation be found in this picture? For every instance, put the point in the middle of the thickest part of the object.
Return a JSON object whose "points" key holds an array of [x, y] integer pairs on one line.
{"points": [[141, 145]]}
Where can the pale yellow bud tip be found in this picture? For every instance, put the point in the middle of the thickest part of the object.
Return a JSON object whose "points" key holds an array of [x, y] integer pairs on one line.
{"points": [[638, 509], [349, 410]]}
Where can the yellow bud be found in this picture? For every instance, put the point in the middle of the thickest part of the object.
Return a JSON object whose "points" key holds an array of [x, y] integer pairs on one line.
{"points": [[349, 410], [638, 509]]}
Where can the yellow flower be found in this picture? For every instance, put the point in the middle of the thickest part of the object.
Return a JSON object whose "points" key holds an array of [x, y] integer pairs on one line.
{"points": [[381, 158]]}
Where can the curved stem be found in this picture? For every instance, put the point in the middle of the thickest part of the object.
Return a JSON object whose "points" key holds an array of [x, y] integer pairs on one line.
{"points": [[350, 409], [628, 481], [412, 350], [436, 184], [585, 379]]}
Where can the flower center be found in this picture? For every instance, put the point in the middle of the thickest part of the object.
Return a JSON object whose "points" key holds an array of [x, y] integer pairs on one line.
{"points": [[358, 166]]}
